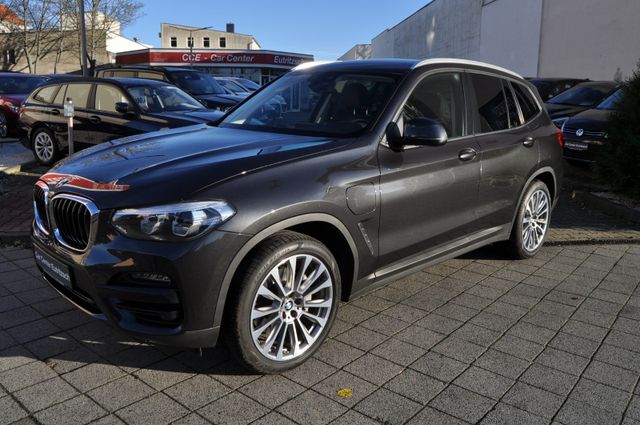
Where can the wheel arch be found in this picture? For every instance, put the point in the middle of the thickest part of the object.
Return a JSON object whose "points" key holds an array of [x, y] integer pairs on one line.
{"points": [[546, 175], [324, 227]]}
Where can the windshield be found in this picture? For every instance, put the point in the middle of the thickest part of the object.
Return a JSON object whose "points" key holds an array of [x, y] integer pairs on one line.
{"points": [[19, 85], [197, 83], [582, 96], [611, 102], [251, 85], [233, 87], [158, 98], [320, 103]]}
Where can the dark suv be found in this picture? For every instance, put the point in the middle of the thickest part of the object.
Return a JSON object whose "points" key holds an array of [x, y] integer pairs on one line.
{"points": [[259, 225], [105, 109], [198, 84]]}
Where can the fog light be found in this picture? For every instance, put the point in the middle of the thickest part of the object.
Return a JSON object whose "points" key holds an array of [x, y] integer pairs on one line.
{"points": [[153, 278]]}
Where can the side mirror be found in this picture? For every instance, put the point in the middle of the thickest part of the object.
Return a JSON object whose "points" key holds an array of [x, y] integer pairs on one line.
{"points": [[122, 107], [424, 131]]}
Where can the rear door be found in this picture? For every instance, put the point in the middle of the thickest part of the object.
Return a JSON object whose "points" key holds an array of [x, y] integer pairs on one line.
{"points": [[80, 94], [509, 152]]}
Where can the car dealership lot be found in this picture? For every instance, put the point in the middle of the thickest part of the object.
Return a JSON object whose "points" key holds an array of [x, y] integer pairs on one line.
{"points": [[480, 338]]}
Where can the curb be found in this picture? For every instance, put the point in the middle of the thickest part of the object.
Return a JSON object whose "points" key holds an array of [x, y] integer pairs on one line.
{"points": [[608, 207]]}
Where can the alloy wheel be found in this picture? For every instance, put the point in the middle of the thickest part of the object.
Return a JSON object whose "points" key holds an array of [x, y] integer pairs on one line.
{"points": [[291, 307], [536, 220], [43, 146]]}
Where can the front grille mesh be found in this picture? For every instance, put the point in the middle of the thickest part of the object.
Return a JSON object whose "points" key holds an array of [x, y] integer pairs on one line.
{"points": [[39, 199], [73, 221]]}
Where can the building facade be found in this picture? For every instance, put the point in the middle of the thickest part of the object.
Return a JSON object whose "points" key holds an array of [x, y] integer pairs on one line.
{"points": [[593, 39], [260, 66], [357, 53], [184, 37]]}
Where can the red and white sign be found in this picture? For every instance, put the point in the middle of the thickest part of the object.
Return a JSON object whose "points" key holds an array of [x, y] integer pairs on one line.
{"points": [[212, 58]]}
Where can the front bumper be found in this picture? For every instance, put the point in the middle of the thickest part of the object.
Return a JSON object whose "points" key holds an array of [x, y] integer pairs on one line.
{"points": [[179, 313]]}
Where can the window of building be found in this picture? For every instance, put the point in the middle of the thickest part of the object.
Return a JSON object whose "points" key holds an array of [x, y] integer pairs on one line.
{"points": [[206, 42], [189, 41], [439, 97], [79, 93], [223, 41], [492, 113], [107, 96], [174, 42]]}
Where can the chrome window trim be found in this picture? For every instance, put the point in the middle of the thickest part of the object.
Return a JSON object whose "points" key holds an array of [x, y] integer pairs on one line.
{"points": [[39, 222], [443, 61]]}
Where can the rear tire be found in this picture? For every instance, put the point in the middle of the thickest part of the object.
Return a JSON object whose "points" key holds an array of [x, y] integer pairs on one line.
{"points": [[44, 146], [532, 222], [284, 304]]}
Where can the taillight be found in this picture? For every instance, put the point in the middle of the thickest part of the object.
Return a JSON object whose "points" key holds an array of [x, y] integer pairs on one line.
{"points": [[560, 140]]}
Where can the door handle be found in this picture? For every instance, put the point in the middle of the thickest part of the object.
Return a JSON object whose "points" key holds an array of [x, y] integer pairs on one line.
{"points": [[93, 119], [467, 154], [55, 112], [529, 141]]}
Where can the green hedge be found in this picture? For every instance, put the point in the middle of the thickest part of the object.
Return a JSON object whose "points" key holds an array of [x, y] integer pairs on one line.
{"points": [[619, 161]]}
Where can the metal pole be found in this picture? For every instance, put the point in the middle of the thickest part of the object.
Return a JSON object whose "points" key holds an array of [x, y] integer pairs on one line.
{"points": [[83, 40]]}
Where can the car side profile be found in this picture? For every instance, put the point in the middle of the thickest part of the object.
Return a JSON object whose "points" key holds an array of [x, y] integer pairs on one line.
{"points": [[105, 109], [255, 227]]}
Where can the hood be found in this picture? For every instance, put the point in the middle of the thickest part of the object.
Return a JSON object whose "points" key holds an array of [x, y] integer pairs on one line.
{"points": [[592, 120], [154, 167], [557, 110], [196, 116]]}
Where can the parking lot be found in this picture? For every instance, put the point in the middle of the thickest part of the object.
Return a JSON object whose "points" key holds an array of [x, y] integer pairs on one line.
{"points": [[477, 339]]}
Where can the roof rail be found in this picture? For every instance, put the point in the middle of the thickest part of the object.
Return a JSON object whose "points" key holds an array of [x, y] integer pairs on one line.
{"points": [[437, 61], [307, 65]]}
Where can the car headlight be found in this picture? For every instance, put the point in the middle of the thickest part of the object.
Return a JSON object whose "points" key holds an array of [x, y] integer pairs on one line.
{"points": [[14, 108], [173, 222], [559, 122]]}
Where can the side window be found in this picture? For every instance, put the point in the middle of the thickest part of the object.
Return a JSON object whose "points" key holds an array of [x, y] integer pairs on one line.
{"points": [[106, 74], [107, 96], [492, 113], [514, 116], [124, 74], [45, 95], [441, 98], [79, 93], [150, 75], [59, 100], [528, 105]]}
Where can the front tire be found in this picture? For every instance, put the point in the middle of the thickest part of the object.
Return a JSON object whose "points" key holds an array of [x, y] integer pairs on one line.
{"points": [[532, 222], [44, 146], [285, 303]]}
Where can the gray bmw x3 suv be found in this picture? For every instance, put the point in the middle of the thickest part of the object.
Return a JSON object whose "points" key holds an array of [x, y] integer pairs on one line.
{"points": [[332, 180]]}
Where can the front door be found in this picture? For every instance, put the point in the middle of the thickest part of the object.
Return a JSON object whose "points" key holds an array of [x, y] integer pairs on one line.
{"points": [[429, 194]]}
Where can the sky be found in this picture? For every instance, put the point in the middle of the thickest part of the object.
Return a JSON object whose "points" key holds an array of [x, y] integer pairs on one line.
{"points": [[323, 28]]}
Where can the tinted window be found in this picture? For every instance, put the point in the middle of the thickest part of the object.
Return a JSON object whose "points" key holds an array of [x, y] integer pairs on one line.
{"points": [[107, 96], [162, 98], [583, 95], [439, 97], [59, 100], [46, 94], [19, 85], [514, 115], [528, 105], [79, 93], [492, 112], [197, 83]]}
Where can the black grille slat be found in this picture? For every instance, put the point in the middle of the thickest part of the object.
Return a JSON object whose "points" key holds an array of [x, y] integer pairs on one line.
{"points": [[73, 221]]}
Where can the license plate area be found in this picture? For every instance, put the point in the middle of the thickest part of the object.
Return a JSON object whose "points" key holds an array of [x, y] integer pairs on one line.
{"points": [[58, 271], [576, 146]]}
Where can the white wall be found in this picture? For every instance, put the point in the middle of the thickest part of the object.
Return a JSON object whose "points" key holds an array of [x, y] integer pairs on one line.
{"points": [[510, 34], [443, 28], [590, 38]]}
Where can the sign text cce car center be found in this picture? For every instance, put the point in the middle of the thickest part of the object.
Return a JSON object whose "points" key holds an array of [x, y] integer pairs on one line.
{"points": [[258, 65]]}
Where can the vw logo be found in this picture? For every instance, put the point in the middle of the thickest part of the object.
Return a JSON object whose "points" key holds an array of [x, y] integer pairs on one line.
{"points": [[579, 132]]}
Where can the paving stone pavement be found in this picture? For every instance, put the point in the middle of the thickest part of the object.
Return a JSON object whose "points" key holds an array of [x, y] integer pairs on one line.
{"points": [[478, 339]]}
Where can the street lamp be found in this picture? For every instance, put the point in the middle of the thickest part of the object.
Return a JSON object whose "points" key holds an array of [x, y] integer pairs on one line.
{"points": [[190, 39]]}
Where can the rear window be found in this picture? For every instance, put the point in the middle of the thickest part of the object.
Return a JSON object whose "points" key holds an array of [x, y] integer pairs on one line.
{"points": [[151, 75], [492, 113], [79, 93], [46, 94], [124, 74], [528, 105]]}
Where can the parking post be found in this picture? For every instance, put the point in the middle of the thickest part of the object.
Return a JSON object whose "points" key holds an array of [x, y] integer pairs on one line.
{"points": [[69, 112]]}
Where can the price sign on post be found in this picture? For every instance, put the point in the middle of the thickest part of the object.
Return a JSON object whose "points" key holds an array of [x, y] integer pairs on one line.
{"points": [[69, 112]]}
